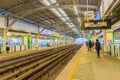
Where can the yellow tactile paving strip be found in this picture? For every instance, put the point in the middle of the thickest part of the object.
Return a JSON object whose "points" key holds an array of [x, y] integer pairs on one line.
{"points": [[75, 65], [68, 71]]}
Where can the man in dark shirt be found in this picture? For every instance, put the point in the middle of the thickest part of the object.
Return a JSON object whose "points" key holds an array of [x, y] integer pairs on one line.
{"points": [[98, 47], [89, 45]]}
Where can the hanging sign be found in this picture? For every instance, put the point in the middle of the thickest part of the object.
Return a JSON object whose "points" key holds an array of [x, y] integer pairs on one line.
{"points": [[89, 37], [96, 24], [57, 34], [53, 38]]}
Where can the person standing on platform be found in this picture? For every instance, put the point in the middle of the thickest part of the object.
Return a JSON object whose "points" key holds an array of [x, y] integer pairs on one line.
{"points": [[89, 45], [86, 44], [92, 43], [7, 48], [98, 48]]}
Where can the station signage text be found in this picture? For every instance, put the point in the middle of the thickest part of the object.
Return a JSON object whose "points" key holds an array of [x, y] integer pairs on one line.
{"points": [[96, 24]]}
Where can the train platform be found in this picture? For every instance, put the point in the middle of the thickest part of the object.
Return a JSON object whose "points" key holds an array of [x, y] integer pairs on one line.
{"points": [[18, 53], [86, 66]]}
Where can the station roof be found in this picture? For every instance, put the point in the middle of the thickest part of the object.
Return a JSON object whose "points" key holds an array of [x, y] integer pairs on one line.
{"points": [[64, 16]]}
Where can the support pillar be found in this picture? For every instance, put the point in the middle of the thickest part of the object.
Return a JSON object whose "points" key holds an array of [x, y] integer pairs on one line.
{"points": [[37, 39], [73, 40], [60, 41], [5, 33], [4, 39], [68, 41], [105, 43], [50, 41], [29, 41], [57, 41], [64, 41]]}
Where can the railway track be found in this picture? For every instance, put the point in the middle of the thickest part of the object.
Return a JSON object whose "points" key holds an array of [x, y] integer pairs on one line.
{"points": [[35, 66]]}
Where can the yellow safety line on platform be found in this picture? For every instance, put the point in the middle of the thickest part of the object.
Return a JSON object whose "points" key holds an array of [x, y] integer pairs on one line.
{"points": [[74, 67]]}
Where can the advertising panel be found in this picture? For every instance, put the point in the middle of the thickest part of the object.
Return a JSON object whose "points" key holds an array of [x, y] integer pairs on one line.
{"points": [[45, 31], [117, 35]]}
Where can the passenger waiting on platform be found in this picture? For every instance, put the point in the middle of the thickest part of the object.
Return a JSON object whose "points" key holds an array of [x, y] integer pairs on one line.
{"points": [[7, 48], [89, 45], [92, 43], [86, 44], [98, 48], [48, 45]]}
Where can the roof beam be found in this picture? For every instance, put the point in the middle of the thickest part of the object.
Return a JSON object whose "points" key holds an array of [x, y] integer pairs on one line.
{"points": [[20, 5], [43, 29], [27, 12], [67, 32], [69, 7], [79, 6]]}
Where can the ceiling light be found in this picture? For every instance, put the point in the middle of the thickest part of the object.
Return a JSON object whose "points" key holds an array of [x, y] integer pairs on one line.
{"points": [[56, 12], [76, 11], [45, 2], [63, 19], [53, 1], [62, 11], [78, 19], [67, 18]]}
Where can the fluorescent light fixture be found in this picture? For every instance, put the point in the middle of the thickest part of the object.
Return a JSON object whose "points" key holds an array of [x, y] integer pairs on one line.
{"points": [[78, 19], [57, 4], [69, 23], [48, 3], [70, 26], [63, 19], [53, 1], [56, 12], [45, 2], [73, 25], [74, 29], [67, 18], [62, 11], [53, 9], [76, 11]]}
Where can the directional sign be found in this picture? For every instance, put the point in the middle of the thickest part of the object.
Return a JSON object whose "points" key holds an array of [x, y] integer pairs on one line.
{"points": [[96, 24]]}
